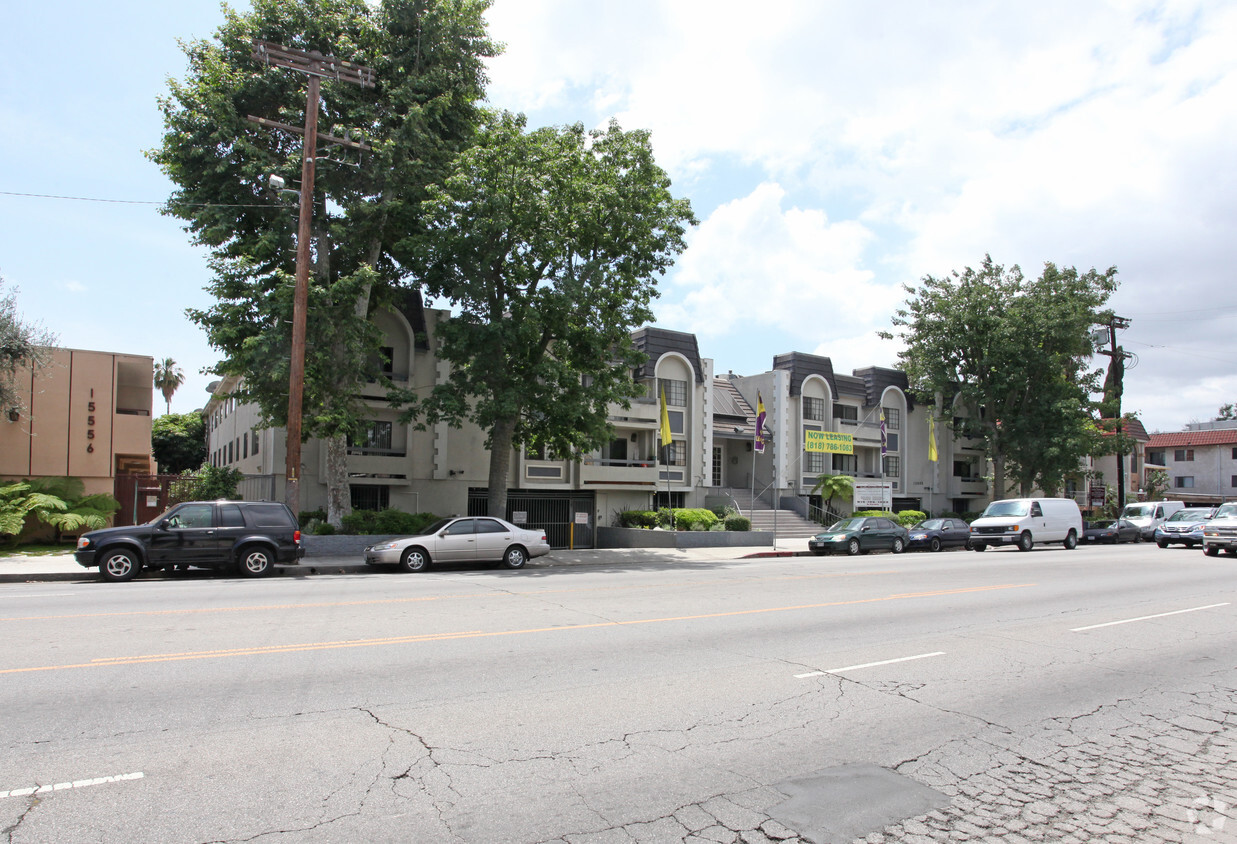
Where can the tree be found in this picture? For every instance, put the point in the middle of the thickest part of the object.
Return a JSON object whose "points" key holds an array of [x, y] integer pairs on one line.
{"points": [[548, 245], [428, 59], [22, 344], [178, 441], [1155, 485], [168, 378], [1015, 353], [1226, 411], [833, 486]]}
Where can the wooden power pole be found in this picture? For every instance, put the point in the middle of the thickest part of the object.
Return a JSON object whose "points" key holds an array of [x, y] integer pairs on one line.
{"points": [[317, 67], [1118, 357]]}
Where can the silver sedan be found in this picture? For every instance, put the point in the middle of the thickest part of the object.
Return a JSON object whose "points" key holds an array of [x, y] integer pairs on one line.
{"points": [[463, 539]]}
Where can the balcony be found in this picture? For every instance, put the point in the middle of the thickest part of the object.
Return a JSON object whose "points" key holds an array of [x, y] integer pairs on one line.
{"points": [[595, 472]]}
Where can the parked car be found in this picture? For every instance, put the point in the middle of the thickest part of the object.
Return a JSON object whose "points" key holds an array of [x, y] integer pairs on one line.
{"points": [[1220, 534], [859, 535], [935, 534], [1110, 532], [1026, 522], [248, 537], [1185, 527], [463, 539], [1149, 515]]}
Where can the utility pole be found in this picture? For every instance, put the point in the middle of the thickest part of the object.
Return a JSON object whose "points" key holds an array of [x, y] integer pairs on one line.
{"points": [[1118, 356], [317, 67]]}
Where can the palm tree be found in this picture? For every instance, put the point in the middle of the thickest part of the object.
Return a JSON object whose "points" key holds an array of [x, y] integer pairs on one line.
{"points": [[833, 486], [168, 377]]}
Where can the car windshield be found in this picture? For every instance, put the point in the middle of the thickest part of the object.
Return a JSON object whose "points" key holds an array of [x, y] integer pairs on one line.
{"points": [[1007, 508], [1227, 510], [847, 524], [1189, 516], [930, 524], [1138, 511]]}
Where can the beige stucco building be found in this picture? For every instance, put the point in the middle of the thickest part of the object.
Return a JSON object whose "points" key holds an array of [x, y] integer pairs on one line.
{"points": [[85, 415]]}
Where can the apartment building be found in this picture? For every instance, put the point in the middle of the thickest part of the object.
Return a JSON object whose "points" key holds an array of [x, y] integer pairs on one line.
{"points": [[1201, 461], [712, 429], [87, 415]]}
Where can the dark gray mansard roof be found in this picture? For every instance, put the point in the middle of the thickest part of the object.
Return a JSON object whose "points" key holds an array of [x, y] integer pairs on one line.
{"points": [[868, 383], [656, 342]]}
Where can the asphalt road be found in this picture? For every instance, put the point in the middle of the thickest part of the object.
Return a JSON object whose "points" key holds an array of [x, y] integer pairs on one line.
{"points": [[1059, 696]]}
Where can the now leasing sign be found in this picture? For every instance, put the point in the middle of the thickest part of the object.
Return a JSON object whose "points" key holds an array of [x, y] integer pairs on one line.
{"points": [[829, 442]]}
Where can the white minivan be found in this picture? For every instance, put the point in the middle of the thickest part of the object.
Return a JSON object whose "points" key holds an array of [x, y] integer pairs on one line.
{"points": [[1027, 522], [1149, 515]]}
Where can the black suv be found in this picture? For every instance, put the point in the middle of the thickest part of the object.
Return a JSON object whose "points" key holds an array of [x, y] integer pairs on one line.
{"points": [[248, 537]]}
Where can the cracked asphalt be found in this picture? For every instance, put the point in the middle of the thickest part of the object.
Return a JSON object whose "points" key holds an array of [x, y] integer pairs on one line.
{"points": [[1083, 696]]}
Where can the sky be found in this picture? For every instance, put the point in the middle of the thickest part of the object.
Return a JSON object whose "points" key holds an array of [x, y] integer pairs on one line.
{"points": [[833, 151]]}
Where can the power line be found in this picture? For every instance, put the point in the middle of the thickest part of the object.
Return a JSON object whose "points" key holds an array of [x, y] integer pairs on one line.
{"points": [[137, 201]]}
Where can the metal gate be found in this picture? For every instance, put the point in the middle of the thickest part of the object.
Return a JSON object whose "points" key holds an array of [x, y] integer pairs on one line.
{"points": [[566, 517], [141, 497]]}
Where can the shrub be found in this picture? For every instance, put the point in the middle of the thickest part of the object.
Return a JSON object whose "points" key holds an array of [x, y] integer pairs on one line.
{"points": [[323, 529], [694, 518], [860, 514], [307, 516], [387, 522], [637, 519], [910, 518], [734, 521]]}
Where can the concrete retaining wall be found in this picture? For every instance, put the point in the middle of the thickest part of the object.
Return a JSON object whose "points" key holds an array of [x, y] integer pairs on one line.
{"points": [[338, 545], [611, 537]]}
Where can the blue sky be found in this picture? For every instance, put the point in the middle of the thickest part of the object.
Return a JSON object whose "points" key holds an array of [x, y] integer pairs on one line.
{"points": [[832, 151]]}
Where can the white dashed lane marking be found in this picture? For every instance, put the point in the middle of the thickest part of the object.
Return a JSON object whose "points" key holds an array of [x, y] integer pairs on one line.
{"points": [[867, 665], [1146, 617], [64, 786]]}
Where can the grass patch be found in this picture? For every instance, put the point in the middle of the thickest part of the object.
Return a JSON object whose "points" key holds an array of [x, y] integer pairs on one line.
{"points": [[34, 550]]}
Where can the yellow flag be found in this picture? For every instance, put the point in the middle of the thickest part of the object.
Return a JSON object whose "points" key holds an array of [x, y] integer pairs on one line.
{"points": [[932, 439], [665, 420]]}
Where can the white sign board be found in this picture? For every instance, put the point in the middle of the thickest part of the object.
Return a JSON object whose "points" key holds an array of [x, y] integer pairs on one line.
{"points": [[873, 495], [581, 518], [519, 517]]}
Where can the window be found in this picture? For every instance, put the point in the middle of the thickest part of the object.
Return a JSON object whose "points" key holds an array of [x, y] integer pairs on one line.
{"points": [[963, 469], [1183, 455], [676, 454], [616, 454], [675, 418], [846, 414], [490, 526], [464, 527], [893, 418], [192, 516], [1235, 453], [245, 440], [229, 461], [370, 497], [893, 466], [717, 465], [230, 516], [676, 392], [1184, 482], [253, 438], [1233, 482], [1157, 458], [1036, 510], [844, 463], [814, 409], [891, 442], [814, 462]]}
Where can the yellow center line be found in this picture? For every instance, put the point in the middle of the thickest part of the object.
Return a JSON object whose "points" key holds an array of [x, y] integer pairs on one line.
{"points": [[428, 598], [262, 650]]}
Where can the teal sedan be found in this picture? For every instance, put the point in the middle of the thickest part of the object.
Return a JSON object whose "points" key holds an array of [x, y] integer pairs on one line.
{"points": [[859, 535]]}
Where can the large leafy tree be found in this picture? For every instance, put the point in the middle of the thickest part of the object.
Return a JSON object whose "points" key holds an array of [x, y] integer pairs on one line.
{"points": [[428, 57], [178, 441], [548, 244], [22, 344], [1015, 352]]}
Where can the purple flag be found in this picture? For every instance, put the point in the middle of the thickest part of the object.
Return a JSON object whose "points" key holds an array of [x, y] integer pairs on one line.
{"points": [[760, 424], [884, 439]]}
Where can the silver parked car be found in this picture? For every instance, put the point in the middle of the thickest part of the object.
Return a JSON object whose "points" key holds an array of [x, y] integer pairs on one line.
{"points": [[461, 539]]}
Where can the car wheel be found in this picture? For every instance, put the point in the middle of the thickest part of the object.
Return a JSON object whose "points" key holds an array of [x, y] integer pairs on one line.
{"points": [[414, 559], [1138, 537], [852, 547], [255, 562], [1071, 541], [898, 545], [515, 557], [1162, 544], [935, 544], [1211, 550], [1025, 542], [119, 566]]}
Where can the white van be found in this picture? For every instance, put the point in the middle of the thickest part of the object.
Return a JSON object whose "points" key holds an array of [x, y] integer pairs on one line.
{"points": [[1149, 515], [1027, 522]]}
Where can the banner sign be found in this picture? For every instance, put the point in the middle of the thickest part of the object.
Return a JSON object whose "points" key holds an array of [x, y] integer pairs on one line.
{"points": [[829, 442]]}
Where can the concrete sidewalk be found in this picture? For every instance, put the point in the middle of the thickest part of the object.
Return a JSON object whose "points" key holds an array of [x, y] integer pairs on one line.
{"points": [[22, 568]]}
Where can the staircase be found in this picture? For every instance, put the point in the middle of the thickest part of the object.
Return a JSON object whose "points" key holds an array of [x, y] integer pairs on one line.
{"points": [[790, 525]]}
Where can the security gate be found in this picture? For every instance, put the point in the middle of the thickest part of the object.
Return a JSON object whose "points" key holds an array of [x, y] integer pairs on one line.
{"points": [[566, 517]]}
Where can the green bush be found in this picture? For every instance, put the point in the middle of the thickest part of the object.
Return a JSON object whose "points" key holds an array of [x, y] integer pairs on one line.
{"points": [[694, 518], [734, 521], [307, 516], [323, 529], [861, 514], [910, 518], [387, 522], [637, 519]]}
